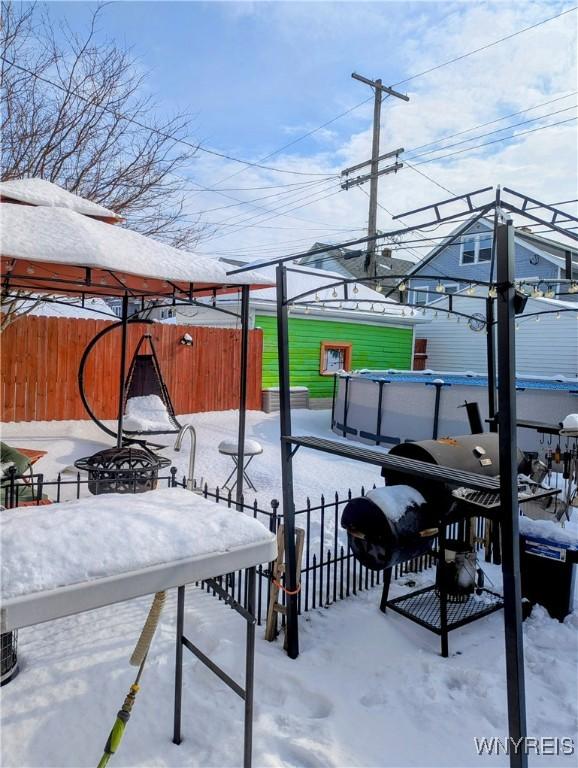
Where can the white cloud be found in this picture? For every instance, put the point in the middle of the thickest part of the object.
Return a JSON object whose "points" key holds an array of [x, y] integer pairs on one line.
{"points": [[528, 69]]}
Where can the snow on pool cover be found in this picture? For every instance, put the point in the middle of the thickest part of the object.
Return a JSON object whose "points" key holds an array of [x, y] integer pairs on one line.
{"points": [[475, 380], [135, 544]]}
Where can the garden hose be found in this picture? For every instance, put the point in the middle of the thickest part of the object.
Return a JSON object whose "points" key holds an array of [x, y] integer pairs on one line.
{"points": [[138, 658]]}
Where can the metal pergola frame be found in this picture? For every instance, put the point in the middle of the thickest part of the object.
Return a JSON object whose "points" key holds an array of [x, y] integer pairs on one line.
{"points": [[11, 289], [503, 294], [245, 692]]}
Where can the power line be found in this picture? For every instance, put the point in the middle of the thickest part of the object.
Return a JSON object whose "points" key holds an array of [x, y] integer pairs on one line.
{"points": [[429, 178], [503, 138], [300, 188], [273, 247], [484, 47], [157, 131], [491, 122], [298, 139], [231, 221], [245, 224], [491, 133], [282, 213], [199, 188], [446, 189]]}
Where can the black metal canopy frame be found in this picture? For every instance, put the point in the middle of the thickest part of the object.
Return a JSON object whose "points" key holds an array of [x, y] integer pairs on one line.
{"points": [[177, 297], [501, 292]]}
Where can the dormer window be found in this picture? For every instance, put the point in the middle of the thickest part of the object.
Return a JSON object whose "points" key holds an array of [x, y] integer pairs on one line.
{"points": [[476, 249], [469, 253]]}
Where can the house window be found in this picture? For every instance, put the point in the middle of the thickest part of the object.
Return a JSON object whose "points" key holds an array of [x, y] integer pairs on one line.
{"points": [[476, 250], [469, 253], [484, 248], [420, 296], [335, 357]]}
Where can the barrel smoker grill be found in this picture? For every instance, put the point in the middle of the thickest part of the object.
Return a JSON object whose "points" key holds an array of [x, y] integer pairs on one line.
{"points": [[381, 538]]}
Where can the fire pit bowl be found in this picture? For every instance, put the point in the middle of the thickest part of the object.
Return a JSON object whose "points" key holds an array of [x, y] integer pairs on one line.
{"points": [[122, 470]]}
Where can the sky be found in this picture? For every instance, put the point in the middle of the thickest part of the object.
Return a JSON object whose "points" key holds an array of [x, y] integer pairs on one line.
{"points": [[259, 75]]}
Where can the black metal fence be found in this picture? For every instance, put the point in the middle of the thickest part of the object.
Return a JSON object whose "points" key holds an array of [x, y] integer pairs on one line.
{"points": [[329, 572]]}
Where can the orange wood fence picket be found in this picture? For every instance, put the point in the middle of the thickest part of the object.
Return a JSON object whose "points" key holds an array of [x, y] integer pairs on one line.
{"points": [[40, 358]]}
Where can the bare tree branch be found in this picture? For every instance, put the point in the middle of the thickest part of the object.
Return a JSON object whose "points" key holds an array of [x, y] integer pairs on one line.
{"points": [[81, 134]]}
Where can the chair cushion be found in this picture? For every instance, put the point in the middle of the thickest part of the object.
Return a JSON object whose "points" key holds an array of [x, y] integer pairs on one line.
{"points": [[231, 447]]}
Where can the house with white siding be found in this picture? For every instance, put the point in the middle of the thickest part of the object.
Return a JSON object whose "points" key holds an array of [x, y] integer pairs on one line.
{"points": [[546, 344]]}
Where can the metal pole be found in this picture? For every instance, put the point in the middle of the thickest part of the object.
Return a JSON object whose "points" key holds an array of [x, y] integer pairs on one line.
{"points": [[443, 592], [121, 384], [379, 416], [372, 217], [333, 400], [292, 627], [436, 422], [568, 265], [509, 508], [249, 669], [179, 665], [490, 345], [491, 360], [242, 391]]}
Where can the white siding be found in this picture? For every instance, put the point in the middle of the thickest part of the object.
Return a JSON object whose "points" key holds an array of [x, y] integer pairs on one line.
{"points": [[545, 348]]}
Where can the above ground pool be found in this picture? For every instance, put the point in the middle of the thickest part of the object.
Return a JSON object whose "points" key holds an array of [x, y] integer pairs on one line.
{"points": [[389, 407]]}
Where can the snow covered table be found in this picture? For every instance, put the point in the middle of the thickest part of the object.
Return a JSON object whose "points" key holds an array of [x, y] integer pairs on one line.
{"points": [[81, 555]]}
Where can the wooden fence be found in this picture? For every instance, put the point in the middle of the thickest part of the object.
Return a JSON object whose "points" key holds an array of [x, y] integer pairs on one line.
{"points": [[40, 357]]}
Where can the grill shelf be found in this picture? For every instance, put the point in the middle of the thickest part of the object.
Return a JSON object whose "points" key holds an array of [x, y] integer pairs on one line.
{"points": [[423, 607], [413, 467], [491, 501]]}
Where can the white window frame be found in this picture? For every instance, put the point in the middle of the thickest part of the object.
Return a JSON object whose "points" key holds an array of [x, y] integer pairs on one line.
{"points": [[419, 292], [475, 240]]}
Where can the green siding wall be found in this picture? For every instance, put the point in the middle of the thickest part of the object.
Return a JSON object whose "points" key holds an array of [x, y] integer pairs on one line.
{"points": [[373, 346]]}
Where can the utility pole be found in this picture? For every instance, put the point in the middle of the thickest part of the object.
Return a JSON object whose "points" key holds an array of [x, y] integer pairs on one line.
{"points": [[372, 177]]}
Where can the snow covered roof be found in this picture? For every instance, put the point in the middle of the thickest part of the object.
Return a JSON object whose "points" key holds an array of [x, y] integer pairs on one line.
{"points": [[45, 193], [303, 278], [59, 250], [356, 304]]}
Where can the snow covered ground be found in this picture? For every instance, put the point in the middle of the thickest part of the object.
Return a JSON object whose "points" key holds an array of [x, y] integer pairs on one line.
{"points": [[314, 473], [367, 690]]}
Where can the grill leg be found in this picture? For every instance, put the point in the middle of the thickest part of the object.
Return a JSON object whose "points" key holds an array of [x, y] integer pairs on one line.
{"points": [[496, 543], [179, 665], [385, 592], [443, 593]]}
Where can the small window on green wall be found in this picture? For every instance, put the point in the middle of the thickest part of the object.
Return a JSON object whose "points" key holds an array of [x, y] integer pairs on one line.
{"points": [[335, 357]]}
